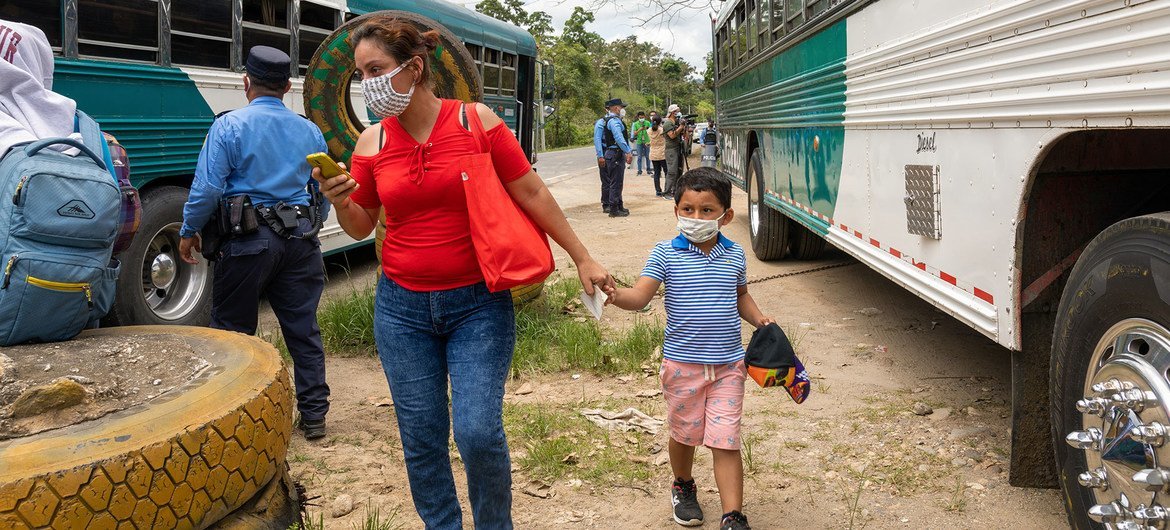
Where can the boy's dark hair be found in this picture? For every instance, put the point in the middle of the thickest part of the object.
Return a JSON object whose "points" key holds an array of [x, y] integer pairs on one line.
{"points": [[704, 179], [640, 113]]}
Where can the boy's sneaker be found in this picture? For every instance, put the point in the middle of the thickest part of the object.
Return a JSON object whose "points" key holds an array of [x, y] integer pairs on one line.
{"points": [[687, 511], [734, 520]]}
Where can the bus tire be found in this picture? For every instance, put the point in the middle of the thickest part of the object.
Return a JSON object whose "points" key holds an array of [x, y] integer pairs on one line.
{"points": [[768, 227], [330, 71], [804, 243], [156, 286], [1114, 312], [186, 459]]}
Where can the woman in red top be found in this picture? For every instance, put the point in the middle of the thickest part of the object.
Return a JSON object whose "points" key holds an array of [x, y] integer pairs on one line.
{"points": [[434, 318]]}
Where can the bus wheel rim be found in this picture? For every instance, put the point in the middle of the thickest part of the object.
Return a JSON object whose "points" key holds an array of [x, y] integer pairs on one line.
{"points": [[171, 287], [754, 212], [1126, 426]]}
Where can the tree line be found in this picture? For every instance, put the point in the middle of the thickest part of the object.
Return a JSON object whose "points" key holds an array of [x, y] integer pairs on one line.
{"points": [[588, 70]]}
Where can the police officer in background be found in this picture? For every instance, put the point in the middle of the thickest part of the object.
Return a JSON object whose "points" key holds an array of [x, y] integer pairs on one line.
{"points": [[609, 142], [259, 152]]}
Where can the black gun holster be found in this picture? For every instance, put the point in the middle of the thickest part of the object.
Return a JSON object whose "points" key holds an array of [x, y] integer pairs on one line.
{"points": [[234, 217]]}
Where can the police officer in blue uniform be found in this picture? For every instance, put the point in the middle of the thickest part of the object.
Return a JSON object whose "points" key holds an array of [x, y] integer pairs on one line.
{"points": [[609, 142], [253, 166]]}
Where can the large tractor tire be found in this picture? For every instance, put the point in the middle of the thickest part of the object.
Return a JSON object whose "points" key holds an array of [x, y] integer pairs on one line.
{"points": [[769, 228], [331, 71], [156, 286], [1110, 396], [184, 460]]}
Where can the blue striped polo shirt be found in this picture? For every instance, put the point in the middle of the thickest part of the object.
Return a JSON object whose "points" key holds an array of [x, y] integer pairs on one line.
{"points": [[702, 307]]}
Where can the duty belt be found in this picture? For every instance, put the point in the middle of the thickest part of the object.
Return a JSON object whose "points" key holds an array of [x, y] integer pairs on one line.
{"points": [[282, 219]]}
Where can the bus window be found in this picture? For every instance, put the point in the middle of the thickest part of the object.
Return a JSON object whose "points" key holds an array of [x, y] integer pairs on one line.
{"points": [[491, 71], [795, 14], [764, 28], [476, 52], [750, 27], [778, 27], [317, 22], [126, 29], [201, 33], [266, 23], [508, 75], [740, 36], [46, 16], [816, 7]]}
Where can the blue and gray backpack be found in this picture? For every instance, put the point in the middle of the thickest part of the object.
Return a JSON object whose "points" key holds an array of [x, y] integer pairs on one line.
{"points": [[59, 216]]}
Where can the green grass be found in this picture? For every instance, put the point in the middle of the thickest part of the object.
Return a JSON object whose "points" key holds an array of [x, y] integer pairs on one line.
{"points": [[347, 323], [559, 443], [547, 339]]}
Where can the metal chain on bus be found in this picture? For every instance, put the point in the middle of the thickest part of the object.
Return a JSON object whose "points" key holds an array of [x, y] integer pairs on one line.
{"points": [[776, 276]]}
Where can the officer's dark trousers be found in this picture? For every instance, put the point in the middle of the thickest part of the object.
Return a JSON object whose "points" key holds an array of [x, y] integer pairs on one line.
{"points": [[613, 178], [291, 274]]}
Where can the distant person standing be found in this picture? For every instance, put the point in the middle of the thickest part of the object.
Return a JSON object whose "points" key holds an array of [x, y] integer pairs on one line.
{"points": [[673, 130], [613, 153], [657, 152], [641, 140]]}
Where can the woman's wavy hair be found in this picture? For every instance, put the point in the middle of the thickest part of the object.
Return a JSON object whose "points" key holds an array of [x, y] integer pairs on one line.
{"points": [[400, 40]]}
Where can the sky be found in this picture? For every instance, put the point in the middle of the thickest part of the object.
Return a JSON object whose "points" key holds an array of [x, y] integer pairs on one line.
{"points": [[688, 36]]}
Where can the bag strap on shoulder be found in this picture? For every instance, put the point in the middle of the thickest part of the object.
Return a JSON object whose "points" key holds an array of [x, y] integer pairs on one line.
{"points": [[472, 123]]}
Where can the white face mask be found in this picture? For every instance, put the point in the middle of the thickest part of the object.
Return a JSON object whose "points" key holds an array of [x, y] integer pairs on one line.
{"points": [[699, 230], [622, 113], [381, 98]]}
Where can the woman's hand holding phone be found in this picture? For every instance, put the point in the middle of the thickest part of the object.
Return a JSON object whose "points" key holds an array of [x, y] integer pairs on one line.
{"points": [[336, 184]]}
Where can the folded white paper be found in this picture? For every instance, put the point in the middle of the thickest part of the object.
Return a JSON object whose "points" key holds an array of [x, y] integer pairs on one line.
{"points": [[596, 302]]}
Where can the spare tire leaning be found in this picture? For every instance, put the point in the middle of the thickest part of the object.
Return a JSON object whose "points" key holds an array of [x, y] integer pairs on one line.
{"points": [[185, 459], [331, 71]]}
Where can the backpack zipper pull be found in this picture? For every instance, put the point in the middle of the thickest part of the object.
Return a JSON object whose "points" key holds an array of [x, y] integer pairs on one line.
{"points": [[88, 296], [19, 187], [8, 271]]}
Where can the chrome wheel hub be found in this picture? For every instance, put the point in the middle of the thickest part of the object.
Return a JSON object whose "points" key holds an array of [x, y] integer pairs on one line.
{"points": [[162, 271], [1125, 427], [171, 287]]}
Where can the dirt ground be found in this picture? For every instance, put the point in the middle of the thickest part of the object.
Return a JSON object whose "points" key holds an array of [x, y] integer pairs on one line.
{"points": [[855, 454]]}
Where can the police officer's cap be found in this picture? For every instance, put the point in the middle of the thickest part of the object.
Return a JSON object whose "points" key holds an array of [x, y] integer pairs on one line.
{"points": [[615, 102], [266, 63]]}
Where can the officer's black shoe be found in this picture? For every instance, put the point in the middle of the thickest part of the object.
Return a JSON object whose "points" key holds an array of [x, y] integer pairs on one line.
{"points": [[313, 429], [619, 212], [606, 209]]}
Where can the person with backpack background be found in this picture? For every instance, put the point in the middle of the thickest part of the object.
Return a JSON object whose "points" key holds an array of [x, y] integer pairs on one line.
{"points": [[58, 231], [609, 142], [641, 141]]}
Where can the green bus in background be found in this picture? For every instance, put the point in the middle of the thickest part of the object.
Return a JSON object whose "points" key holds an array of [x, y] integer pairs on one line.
{"points": [[1003, 160], [154, 73]]}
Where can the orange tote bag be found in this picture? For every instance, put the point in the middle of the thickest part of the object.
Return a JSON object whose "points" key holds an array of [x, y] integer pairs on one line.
{"points": [[512, 250]]}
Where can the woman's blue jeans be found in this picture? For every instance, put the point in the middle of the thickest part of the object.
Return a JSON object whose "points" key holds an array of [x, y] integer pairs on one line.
{"points": [[464, 335]]}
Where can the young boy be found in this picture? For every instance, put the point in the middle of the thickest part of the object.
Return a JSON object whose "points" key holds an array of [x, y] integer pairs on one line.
{"points": [[703, 372]]}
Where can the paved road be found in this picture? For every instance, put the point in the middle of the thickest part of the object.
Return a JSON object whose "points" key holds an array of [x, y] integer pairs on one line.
{"points": [[555, 166]]}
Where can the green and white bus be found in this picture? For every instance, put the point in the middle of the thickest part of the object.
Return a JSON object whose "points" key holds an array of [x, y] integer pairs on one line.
{"points": [[1004, 160], [155, 73]]}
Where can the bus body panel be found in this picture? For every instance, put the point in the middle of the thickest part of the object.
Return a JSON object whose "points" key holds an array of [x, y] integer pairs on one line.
{"points": [[975, 92]]}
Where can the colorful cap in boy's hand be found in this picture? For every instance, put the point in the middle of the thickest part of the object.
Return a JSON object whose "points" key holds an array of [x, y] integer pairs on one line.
{"points": [[794, 379]]}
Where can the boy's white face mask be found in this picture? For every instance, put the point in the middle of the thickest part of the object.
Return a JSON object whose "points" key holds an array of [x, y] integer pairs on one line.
{"points": [[699, 230]]}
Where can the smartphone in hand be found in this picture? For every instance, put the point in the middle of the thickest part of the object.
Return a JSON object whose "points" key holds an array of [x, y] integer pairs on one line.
{"points": [[329, 168]]}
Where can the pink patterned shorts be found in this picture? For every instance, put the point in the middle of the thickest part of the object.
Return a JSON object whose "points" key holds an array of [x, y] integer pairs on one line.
{"points": [[704, 402]]}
